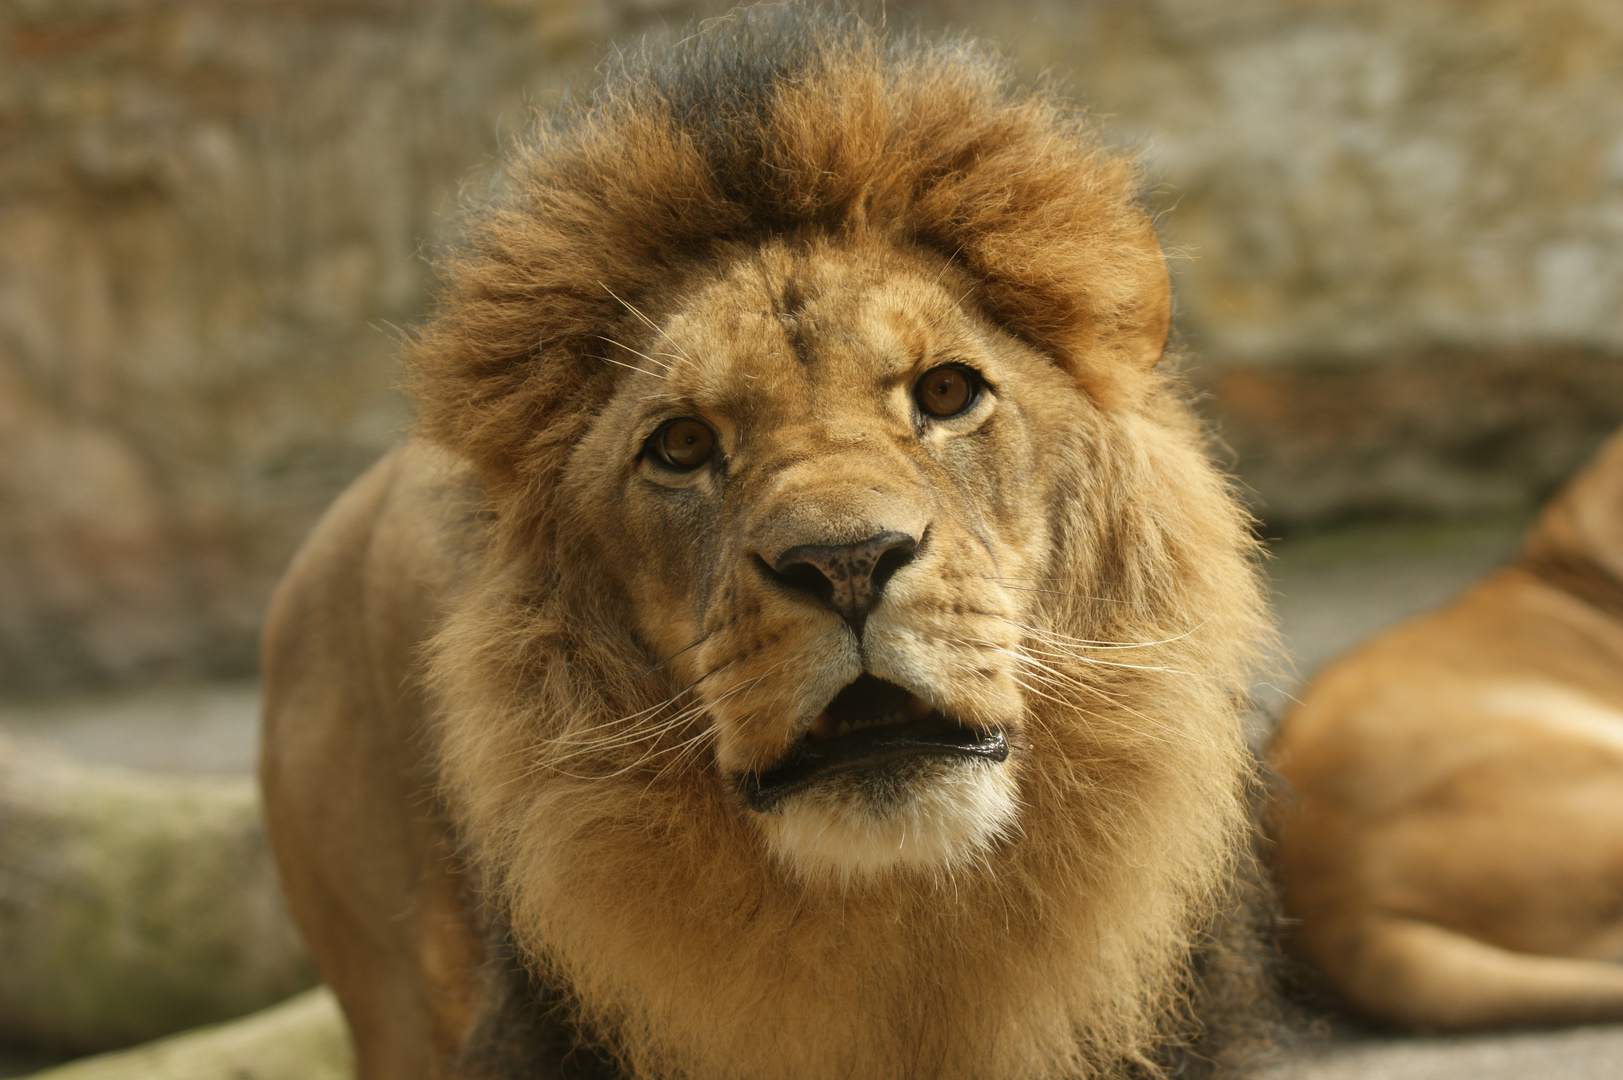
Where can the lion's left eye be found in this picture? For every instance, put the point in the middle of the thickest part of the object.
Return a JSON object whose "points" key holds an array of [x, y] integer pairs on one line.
{"points": [[683, 444], [947, 390]]}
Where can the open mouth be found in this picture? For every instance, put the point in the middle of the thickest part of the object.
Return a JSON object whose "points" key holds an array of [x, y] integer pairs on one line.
{"points": [[869, 724]]}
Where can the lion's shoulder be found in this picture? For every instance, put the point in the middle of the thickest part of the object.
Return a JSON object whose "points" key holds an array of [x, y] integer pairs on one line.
{"points": [[345, 779]]}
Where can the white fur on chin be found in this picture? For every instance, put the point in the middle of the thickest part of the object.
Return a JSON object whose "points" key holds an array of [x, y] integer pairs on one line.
{"points": [[946, 820]]}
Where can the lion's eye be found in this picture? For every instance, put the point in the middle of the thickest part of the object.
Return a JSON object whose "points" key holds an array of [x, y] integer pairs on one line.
{"points": [[947, 390], [684, 444]]}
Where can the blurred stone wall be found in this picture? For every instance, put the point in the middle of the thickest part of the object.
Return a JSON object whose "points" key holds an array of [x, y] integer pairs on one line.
{"points": [[211, 224], [1403, 228], [1401, 224]]}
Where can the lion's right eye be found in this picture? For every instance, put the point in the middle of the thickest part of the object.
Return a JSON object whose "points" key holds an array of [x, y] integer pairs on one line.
{"points": [[947, 390], [683, 444]]}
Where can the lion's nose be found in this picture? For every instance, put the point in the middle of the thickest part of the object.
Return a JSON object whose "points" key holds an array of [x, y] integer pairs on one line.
{"points": [[846, 577]]}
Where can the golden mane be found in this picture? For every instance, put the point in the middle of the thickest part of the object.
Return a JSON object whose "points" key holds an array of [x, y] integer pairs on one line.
{"points": [[771, 124]]}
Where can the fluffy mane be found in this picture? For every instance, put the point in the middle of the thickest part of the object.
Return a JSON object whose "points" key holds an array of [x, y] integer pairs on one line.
{"points": [[769, 122], [627, 877]]}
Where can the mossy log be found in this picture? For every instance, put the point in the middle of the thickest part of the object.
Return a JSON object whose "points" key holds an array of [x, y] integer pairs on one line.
{"points": [[303, 1039], [133, 905]]}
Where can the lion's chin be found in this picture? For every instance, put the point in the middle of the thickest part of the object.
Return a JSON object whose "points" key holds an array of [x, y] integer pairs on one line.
{"points": [[932, 816]]}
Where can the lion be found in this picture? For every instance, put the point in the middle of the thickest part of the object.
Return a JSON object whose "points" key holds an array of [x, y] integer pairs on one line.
{"points": [[1451, 830], [805, 635]]}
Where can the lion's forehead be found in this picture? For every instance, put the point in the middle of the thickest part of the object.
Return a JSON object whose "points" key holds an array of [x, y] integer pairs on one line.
{"points": [[778, 330]]}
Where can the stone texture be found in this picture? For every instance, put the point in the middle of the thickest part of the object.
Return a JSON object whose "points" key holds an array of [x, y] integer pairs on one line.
{"points": [[1355, 178], [133, 905], [1574, 1054], [208, 729], [1444, 432], [304, 1039], [213, 218], [1403, 230], [301, 1039], [1402, 282]]}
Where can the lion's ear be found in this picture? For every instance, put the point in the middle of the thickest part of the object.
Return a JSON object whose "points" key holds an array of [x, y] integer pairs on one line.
{"points": [[1585, 520], [1143, 333], [1121, 335]]}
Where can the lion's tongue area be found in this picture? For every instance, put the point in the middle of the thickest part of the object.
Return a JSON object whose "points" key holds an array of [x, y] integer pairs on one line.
{"points": [[869, 723], [868, 702]]}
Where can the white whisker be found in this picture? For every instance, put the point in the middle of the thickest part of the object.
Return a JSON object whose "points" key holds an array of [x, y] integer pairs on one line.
{"points": [[655, 327], [664, 367], [628, 367]]}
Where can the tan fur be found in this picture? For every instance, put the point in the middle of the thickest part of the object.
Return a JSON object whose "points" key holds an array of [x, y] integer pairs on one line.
{"points": [[612, 658], [1451, 832]]}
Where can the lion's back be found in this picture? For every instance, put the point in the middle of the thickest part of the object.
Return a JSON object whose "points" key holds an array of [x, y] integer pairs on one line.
{"points": [[343, 742]]}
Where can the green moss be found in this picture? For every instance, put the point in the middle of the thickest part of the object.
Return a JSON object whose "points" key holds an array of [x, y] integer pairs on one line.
{"points": [[133, 906]]}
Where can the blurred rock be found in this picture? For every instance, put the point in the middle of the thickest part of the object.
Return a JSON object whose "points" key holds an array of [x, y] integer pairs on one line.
{"points": [[1446, 432], [1403, 222], [133, 905], [303, 1039], [212, 218], [209, 729], [1590, 1053], [1358, 178]]}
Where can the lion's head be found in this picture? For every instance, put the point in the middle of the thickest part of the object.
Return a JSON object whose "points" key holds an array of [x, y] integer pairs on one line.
{"points": [[857, 651]]}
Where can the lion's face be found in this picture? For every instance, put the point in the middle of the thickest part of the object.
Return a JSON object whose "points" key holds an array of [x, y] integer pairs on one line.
{"points": [[824, 491]]}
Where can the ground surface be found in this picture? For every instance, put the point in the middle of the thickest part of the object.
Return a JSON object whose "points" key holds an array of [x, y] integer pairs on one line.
{"points": [[1333, 588]]}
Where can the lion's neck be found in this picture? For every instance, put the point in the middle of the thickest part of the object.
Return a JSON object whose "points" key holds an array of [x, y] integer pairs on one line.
{"points": [[698, 958]]}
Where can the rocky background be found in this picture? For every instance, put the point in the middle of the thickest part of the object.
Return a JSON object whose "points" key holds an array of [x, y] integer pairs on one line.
{"points": [[1399, 226]]}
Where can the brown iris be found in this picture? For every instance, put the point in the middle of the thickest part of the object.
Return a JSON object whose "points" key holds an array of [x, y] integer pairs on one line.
{"points": [[684, 444], [946, 390]]}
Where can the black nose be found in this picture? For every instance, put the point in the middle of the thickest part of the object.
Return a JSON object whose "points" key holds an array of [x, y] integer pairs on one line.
{"points": [[846, 577]]}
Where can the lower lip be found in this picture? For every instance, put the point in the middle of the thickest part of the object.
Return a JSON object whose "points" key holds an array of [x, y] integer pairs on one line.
{"points": [[811, 762]]}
